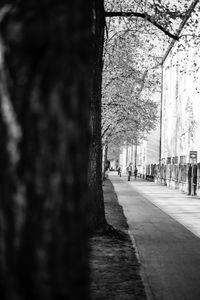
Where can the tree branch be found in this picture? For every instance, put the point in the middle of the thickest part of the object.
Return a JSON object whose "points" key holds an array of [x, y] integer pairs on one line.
{"points": [[143, 16]]}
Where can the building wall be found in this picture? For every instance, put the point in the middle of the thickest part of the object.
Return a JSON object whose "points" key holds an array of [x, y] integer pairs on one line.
{"points": [[153, 146], [180, 105], [180, 108], [181, 95], [147, 152]]}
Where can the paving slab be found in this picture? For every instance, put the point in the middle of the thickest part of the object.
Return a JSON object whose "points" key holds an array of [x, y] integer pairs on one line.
{"points": [[164, 225]]}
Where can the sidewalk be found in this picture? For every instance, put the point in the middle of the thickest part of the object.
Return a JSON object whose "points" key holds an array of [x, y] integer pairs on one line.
{"points": [[158, 218]]}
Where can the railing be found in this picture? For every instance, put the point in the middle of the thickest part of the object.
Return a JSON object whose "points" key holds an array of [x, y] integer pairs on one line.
{"points": [[183, 176]]}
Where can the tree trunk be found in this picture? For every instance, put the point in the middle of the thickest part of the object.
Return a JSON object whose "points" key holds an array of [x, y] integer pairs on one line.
{"points": [[96, 209], [44, 238], [105, 160]]}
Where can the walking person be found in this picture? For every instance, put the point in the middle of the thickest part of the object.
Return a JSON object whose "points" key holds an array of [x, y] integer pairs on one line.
{"points": [[129, 170], [119, 171], [135, 172]]}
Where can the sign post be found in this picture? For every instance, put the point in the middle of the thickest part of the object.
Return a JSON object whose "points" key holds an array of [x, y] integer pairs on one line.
{"points": [[193, 157], [193, 161]]}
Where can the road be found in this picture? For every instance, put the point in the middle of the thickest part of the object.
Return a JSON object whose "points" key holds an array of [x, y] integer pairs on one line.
{"points": [[164, 225]]}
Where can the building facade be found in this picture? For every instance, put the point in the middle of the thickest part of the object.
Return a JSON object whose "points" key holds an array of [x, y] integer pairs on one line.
{"points": [[180, 122], [180, 108], [144, 154]]}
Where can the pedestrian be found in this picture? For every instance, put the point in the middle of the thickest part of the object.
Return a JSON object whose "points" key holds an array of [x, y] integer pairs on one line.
{"points": [[119, 171], [189, 179], [135, 172], [129, 170]]}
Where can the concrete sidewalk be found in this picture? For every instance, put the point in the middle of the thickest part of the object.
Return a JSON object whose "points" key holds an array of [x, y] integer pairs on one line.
{"points": [[158, 218]]}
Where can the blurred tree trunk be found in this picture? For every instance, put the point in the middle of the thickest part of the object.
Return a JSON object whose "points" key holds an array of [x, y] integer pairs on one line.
{"points": [[96, 210], [105, 160], [44, 229]]}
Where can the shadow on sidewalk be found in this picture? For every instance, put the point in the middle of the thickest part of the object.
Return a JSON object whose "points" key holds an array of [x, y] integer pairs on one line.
{"points": [[114, 265]]}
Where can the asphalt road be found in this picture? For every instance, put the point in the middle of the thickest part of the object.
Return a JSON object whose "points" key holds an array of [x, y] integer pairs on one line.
{"points": [[164, 224]]}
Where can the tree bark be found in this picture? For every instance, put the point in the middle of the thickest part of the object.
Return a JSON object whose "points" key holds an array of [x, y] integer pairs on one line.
{"points": [[44, 240]]}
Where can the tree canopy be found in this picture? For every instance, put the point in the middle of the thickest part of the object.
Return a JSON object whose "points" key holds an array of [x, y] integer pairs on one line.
{"points": [[138, 35]]}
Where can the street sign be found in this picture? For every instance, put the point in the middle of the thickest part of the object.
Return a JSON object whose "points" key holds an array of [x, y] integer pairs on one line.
{"points": [[193, 157]]}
